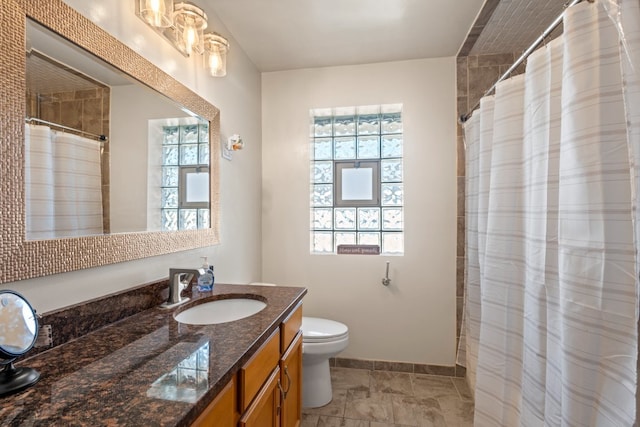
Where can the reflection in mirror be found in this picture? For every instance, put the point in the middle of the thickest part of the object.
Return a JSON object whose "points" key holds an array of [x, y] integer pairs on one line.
{"points": [[18, 333], [105, 154], [187, 381], [182, 175]]}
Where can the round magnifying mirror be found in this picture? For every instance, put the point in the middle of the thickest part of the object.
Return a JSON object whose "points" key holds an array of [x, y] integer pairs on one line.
{"points": [[18, 334]]}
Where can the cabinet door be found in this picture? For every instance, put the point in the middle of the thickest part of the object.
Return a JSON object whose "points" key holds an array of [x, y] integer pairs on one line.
{"points": [[264, 411], [291, 380], [222, 411]]}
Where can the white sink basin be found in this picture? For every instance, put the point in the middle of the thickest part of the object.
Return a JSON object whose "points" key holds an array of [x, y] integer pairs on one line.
{"points": [[220, 311]]}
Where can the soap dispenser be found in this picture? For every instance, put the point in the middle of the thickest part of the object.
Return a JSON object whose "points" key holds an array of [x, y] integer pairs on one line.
{"points": [[205, 281]]}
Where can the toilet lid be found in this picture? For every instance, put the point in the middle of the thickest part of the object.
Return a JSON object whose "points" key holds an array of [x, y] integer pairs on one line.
{"points": [[315, 329]]}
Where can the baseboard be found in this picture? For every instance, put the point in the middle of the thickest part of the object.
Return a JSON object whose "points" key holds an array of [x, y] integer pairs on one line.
{"points": [[414, 368]]}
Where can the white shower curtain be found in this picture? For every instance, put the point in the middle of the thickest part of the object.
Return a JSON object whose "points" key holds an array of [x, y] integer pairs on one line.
{"points": [[552, 270], [39, 191], [63, 184]]}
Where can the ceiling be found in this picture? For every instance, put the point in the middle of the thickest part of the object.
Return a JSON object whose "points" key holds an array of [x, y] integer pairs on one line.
{"points": [[48, 76], [65, 72], [292, 34]]}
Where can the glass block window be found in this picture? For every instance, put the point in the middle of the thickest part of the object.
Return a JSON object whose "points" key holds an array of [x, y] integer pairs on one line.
{"points": [[185, 169], [345, 144]]}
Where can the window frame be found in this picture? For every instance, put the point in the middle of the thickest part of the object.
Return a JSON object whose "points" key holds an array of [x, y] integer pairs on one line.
{"points": [[339, 166], [182, 187]]}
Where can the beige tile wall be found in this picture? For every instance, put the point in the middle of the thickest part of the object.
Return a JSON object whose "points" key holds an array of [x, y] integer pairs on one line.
{"points": [[85, 110], [475, 74]]}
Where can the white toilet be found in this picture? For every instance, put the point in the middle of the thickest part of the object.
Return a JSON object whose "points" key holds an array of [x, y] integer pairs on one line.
{"points": [[321, 340]]}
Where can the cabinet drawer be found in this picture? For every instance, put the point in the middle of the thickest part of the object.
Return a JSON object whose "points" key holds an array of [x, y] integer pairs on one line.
{"points": [[256, 371], [290, 327]]}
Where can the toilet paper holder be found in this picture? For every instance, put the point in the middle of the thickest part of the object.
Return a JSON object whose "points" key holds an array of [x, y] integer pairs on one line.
{"points": [[385, 280]]}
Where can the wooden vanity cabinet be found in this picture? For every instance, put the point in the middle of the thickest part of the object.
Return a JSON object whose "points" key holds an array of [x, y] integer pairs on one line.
{"points": [[223, 410], [267, 392]]}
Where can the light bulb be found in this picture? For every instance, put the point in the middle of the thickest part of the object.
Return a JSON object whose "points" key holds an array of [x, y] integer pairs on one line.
{"points": [[215, 61], [157, 10], [190, 36]]}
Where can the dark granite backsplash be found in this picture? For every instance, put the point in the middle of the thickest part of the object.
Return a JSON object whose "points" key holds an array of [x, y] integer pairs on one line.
{"points": [[74, 321]]}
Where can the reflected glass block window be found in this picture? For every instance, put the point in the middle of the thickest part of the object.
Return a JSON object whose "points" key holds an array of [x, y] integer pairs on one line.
{"points": [[187, 381], [345, 142], [183, 147]]}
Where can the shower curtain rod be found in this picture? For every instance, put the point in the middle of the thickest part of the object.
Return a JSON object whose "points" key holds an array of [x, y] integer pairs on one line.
{"points": [[525, 54], [102, 138]]}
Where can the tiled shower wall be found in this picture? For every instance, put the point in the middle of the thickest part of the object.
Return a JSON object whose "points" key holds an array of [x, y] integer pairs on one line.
{"points": [[85, 110], [475, 74]]}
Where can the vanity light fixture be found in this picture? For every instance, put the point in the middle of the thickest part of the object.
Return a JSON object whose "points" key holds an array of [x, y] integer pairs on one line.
{"points": [[157, 13], [190, 22], [183, 25], [215, 54]]}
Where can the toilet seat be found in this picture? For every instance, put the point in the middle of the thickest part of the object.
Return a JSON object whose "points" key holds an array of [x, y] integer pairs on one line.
{"points": [[317, 330]]}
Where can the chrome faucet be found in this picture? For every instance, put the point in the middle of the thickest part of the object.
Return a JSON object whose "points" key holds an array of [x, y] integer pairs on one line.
{"points": [[179, 279]]}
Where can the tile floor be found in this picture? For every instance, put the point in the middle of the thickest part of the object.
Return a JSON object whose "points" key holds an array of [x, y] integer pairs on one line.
{"points": [[364, 398]]}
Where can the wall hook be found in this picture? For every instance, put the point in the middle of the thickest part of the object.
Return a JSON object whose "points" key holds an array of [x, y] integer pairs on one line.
{"points": [[385, 280]]}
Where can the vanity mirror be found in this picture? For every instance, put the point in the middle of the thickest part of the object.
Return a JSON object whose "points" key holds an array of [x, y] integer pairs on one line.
{"points": [[104, 153], [18, 334], [130, 217]]}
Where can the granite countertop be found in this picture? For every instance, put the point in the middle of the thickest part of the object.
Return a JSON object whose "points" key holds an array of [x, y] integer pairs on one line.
{"points": [[146, 369]]}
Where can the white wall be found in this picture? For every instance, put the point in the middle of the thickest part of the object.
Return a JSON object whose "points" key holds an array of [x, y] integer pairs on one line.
{"points": [[413, 320], [132, 106], [238, 257]]}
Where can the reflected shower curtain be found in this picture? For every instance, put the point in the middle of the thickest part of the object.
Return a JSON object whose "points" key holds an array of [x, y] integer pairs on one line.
{"points": [[63, 189], [39, 190], [552, 271]]}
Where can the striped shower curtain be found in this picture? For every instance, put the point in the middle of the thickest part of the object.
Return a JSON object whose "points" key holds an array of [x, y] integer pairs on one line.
{"points": [[552, 263], [63, 184]]}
